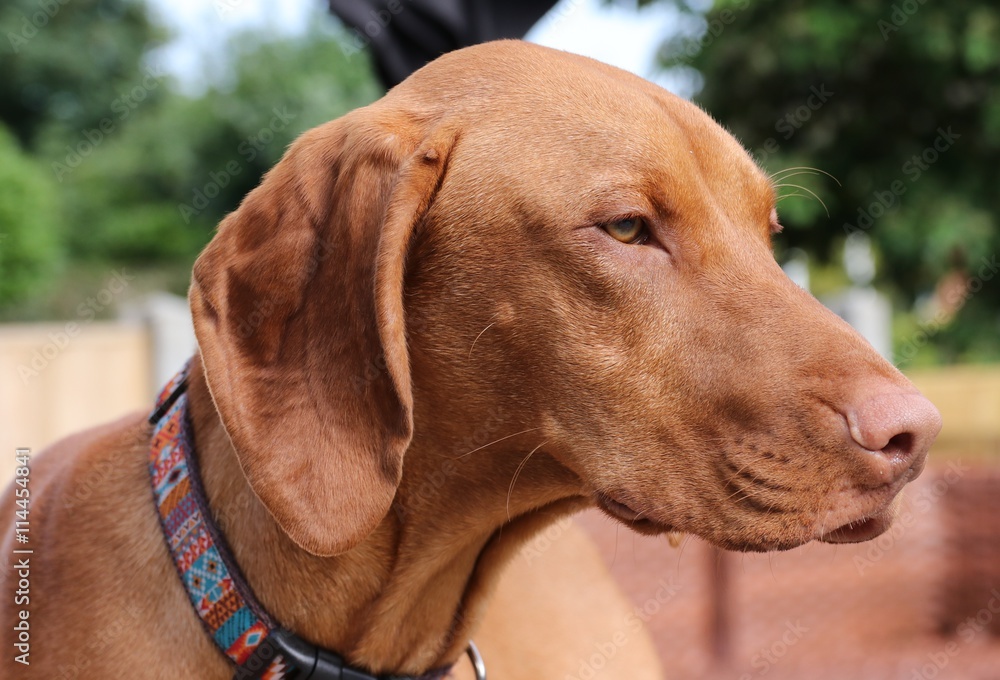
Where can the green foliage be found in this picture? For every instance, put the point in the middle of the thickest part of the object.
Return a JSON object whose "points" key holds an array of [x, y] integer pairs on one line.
{"points": [[154, 190], [65, 62], [127, 169], [29, 248], [900, 103]]}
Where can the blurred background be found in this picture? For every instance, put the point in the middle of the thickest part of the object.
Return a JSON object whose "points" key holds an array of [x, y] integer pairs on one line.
{"points": [[129, 128]]}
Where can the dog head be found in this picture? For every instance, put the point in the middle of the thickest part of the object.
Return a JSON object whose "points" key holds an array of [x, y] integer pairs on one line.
{"points": [[524, 229]]}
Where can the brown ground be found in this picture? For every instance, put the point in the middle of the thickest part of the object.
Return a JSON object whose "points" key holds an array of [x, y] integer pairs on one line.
{"points": [[893, 608]]}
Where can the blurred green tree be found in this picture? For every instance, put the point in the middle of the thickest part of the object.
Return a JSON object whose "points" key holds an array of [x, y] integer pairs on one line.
{"points": [[154, 191], [29, 249], [125, 168], [71, 62], [900, 102]]}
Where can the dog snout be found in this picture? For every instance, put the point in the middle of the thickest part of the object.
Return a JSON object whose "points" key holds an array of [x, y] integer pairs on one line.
{"points": [[896, 430]]}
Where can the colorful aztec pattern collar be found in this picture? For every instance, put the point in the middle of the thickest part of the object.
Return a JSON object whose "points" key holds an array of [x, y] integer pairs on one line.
{"points": [[227, 607]]}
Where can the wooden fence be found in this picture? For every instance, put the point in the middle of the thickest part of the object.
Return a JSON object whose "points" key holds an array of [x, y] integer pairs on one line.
{"points": [[59, 378]]}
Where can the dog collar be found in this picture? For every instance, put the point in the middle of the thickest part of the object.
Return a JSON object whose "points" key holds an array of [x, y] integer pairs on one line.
{"points": [[233, 617]]}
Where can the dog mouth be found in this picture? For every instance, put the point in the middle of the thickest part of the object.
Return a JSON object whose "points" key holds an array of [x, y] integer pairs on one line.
{"points": [[861, 530], [882, 508], [870, 525], [633, 519]]}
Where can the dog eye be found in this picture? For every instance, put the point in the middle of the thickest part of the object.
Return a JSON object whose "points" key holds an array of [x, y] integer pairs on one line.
{"points": [[631, 230]]}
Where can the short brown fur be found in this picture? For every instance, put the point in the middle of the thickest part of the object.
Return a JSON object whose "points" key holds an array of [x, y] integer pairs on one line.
{"points": [[419, 348]]}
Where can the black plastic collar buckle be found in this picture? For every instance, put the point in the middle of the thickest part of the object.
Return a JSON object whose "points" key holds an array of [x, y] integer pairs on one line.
{"points": [[314, 663], [161, 409]]}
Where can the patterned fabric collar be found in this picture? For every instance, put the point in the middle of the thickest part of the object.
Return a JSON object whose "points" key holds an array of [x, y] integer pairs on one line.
{"points": [[223, 600]]}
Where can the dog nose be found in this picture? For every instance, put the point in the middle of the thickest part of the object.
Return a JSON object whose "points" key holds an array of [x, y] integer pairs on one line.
{"points": [[898, 428]]}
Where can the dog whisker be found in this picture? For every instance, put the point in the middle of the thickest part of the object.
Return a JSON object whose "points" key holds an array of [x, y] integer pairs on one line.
{"points": [[739, 490], [756, 501], [785, 178], [510, 489], [808, 191], [488, 326], [779, 175], [742, 498], [784, 196], [680, 553], [495, 441], [822, 526], [727, 481]]}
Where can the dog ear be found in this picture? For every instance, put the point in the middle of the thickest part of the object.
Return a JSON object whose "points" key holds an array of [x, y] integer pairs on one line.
{"points": [[298, 310]]}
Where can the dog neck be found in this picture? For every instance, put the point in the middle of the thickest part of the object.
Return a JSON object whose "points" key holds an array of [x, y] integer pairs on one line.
{"points": [[408, 597]]}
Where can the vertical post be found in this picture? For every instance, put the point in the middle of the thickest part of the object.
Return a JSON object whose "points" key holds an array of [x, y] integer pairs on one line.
{"points": [[171, 333], [719, 606]]}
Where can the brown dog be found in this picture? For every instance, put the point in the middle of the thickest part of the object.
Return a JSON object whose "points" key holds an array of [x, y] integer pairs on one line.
{"points": [[521, 283]]}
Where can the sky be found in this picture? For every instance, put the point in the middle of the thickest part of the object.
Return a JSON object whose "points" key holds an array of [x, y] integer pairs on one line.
{"points": [[619, 35]]}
